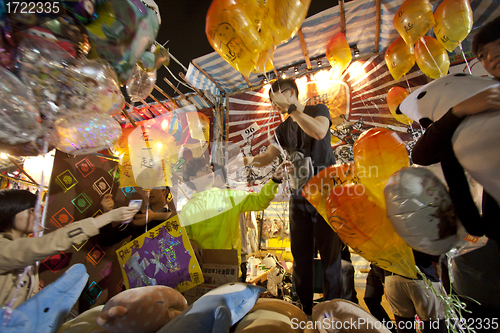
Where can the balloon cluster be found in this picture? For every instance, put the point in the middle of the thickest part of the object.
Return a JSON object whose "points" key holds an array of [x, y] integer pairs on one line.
{"points": [[451, 24], [246, 33], [351, 199], [61, 72]]}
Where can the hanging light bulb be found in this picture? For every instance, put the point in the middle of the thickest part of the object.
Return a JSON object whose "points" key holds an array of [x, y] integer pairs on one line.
{"points": [[319, 63], [296, 70]]}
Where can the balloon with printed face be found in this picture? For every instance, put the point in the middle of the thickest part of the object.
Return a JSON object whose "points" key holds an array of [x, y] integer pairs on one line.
{"points": [[80, 134], [399, 58], [363, 226], [286, 18], [431, 57], [199, 125], [318, 188], [152, 152], [454, 20], [20, 120], [378, 153], [84, 10], [233, 36], [421, 211], [140, 84], [413, 19], [338, 52], [394, 97]]}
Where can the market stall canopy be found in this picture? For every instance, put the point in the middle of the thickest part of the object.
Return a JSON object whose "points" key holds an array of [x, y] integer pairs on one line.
{"points": [[368, 27]]}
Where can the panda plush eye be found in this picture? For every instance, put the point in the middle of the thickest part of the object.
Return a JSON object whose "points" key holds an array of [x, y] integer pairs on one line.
{"points": [[421, 95]]}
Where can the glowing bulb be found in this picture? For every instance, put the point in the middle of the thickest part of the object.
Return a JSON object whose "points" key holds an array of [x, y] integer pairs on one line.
{"points": [[4, 156]]}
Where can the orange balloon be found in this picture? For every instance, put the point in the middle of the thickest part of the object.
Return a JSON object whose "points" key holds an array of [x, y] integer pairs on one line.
{"points": [[413, 19], [399, 58], [286, 17], [378, 153], [453, 23], [434, 64], [232, 34], [316, 191], [394, 97], [363, 226], [338, 52]]}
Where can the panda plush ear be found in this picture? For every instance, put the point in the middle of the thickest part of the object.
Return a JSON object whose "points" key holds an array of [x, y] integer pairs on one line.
{"points": [[425, 122]]}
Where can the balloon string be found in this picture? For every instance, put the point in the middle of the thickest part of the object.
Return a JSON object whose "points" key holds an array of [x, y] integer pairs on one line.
{"points": [[465, 58], [147, 209], [407, 83], [7, 314], [425, 44]]}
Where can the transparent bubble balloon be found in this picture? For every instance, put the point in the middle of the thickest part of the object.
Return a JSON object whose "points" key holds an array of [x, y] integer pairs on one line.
{"points": [[81, 134], [20, 120], [140, 84]]}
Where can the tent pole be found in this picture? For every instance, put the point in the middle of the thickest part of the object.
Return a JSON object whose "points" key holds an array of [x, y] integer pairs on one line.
{"points": [[202, 95], [247, 81], [342, 17], [208, 76], [124, 111], [159, 103], [377, 31], [304, 49], [178, 91], [168, 96], [13, 161]]}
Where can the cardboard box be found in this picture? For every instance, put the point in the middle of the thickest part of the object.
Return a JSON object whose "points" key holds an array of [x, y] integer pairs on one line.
{"points": [[218, 267]]}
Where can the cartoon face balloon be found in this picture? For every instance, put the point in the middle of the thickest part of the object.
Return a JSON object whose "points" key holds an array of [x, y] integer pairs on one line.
{"points": [[431, 57], [394, 97], [399, 58], [453, 22], [338, 52], [363, 226], [413, 19], [378, 153]]}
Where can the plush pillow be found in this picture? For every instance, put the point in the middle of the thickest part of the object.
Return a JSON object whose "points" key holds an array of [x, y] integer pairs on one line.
{"points": [[341, 316], [475, 141], [217, 310], [45, 312], [141, 309], [271, 315]]}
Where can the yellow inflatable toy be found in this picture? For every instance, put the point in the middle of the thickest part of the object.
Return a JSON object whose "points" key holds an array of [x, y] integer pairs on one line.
{"points": [[453, 23], [413, 19], [434, 64], [394, 97], [399, 58]]}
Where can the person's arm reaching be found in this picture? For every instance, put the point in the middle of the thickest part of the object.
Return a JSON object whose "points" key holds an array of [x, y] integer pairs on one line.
{"points": [[263, 159]]}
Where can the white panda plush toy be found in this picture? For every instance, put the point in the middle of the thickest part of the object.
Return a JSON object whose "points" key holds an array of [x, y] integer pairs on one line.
{"points": [[476, 141]]}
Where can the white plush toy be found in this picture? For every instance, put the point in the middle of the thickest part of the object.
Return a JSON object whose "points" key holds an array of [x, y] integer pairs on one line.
{"points": [[476, 141]]}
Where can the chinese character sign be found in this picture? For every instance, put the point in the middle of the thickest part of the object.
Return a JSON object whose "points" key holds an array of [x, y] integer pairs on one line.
{"points": [[152, 152], [161, 256]]}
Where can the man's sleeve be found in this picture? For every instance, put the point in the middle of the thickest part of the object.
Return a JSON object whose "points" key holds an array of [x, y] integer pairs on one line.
{"points": [[430, 145], [260, 200], [322, 110]]}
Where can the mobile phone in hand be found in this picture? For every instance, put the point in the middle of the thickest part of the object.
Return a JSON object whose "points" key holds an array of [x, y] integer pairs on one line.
{"points": [[134, 204]]}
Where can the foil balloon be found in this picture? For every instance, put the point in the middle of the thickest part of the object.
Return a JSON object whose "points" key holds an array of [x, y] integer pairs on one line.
{"points": [[20, 120], [399, 58], [317, 190], [338, 53], [394, 97], [431, 57], [122, 32], [233, 36], [63, 85], [153, 59], [83, 134], [286, 17], [363, 226], [84, 10], [421, 211], [152, 153], [413, 19], [378, 153], [140, 84], [199, 125], [453, 23]]}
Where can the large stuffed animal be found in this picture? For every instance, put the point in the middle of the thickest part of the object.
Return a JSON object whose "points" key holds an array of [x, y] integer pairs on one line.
{"points": [[270, 315], [476, 141], [45, 312], [342, 316], [141, 309], [217, 310]]}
